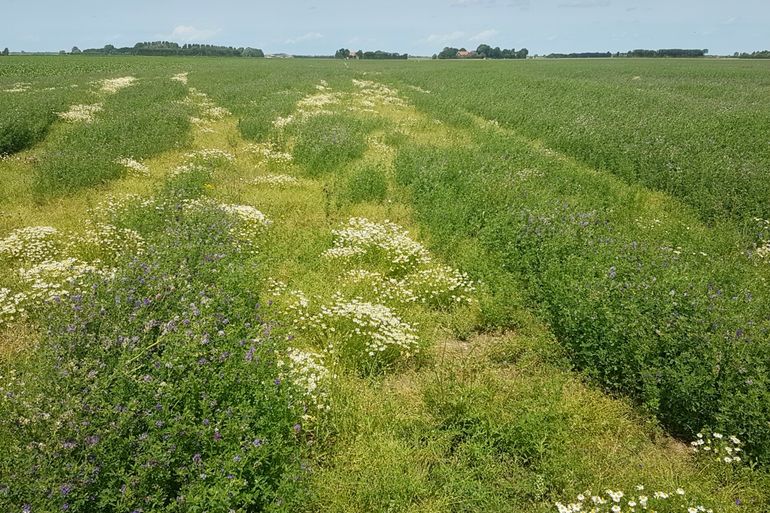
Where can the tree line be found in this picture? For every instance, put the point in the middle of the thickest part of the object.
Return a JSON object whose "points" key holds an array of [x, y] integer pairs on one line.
{"points": [[762, 54], [483, 51], [169, 48], [344, 53]]}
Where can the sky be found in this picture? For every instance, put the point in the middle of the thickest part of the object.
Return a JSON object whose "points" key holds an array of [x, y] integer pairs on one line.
{"points": [[417, 27]]}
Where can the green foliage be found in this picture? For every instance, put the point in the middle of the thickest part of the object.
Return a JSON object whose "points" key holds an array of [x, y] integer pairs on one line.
{"points": [[665, 326], [139, 121], [366, 182], [326, 142]]}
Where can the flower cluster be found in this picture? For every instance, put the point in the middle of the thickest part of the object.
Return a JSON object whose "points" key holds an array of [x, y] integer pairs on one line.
{"points": [[366, 238], [275, 180], [373, 93], [133, 165], [306, 371], [616, 501], [113, 85], [11, 305], [724, 449], [357, 329], [19, 87], [81, 113], [252, 222], [31, 244], [180, 77], [211, 155], [441, 286], [105, 240], [55, 278], [269, 152]]}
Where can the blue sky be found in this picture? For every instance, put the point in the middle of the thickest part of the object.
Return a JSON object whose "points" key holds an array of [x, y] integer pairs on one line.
{"points": [[420, 27]]}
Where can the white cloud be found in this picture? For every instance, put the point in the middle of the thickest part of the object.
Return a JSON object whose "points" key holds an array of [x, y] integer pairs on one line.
{"points": [[444, 38], [188, 33], [484, 35], [310, 36]]}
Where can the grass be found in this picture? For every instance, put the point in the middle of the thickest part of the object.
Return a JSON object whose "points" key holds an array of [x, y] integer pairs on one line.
{"points": [[512, 402]]}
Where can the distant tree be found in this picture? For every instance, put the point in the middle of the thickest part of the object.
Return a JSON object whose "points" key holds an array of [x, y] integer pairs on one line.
{"points": [[448, 53], [252, 52], [342, 53], [522, 54], [360, 54], [484, 51], [6, 52], [435, 56], [108, 49], [75, 50], [62, 52]]}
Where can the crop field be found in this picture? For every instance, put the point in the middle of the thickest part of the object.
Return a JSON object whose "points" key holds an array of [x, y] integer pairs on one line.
{"points": [[414, 286]]}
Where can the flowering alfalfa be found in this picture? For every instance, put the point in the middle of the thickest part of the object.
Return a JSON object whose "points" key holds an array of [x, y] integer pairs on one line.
{"points": [[305, 370], [52, 279], [113, 85], [721, 448], [211, 156], [11, 305], [387, 240], [616, 501], [31, 244]]}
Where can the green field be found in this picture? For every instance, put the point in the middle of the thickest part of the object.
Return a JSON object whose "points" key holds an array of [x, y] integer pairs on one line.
{"points": [[414, 286]]}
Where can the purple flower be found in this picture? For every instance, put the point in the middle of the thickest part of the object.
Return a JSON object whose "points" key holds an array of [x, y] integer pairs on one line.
{"points": [[26, 508], [237, 458], [65, 507], [257, 442], [297, 428], [69, 445], [65, 489], [197, 458], [92, 440], [205, 422], [217, 435], [277, 381], [250, 354]]}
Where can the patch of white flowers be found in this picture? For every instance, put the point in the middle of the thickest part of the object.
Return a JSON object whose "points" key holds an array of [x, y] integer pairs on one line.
{"points": [[180, 77], [113, 85], [211, 155], [275, 180], [363, 237], [50, 279], [306, 371], [269, 152], [359, 329], [133, 165], [81, 113], [615, 501], [723, 449], [11, 305], [106, 240], [31, 244], [441, 286]]}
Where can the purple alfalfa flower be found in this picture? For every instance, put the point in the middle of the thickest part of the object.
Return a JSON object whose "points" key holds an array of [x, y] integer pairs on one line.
{"points": [[277, 381], [205, 339], [202, 361], [612, 273], [205, 422], [92, 439], [738, 502], [65, 489], [69, 445], [237, 458], [217, 435], [250, 354], [65, 507], [257, 442], [297, 428], [159, 423], [27, 508], [197, 458]]}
